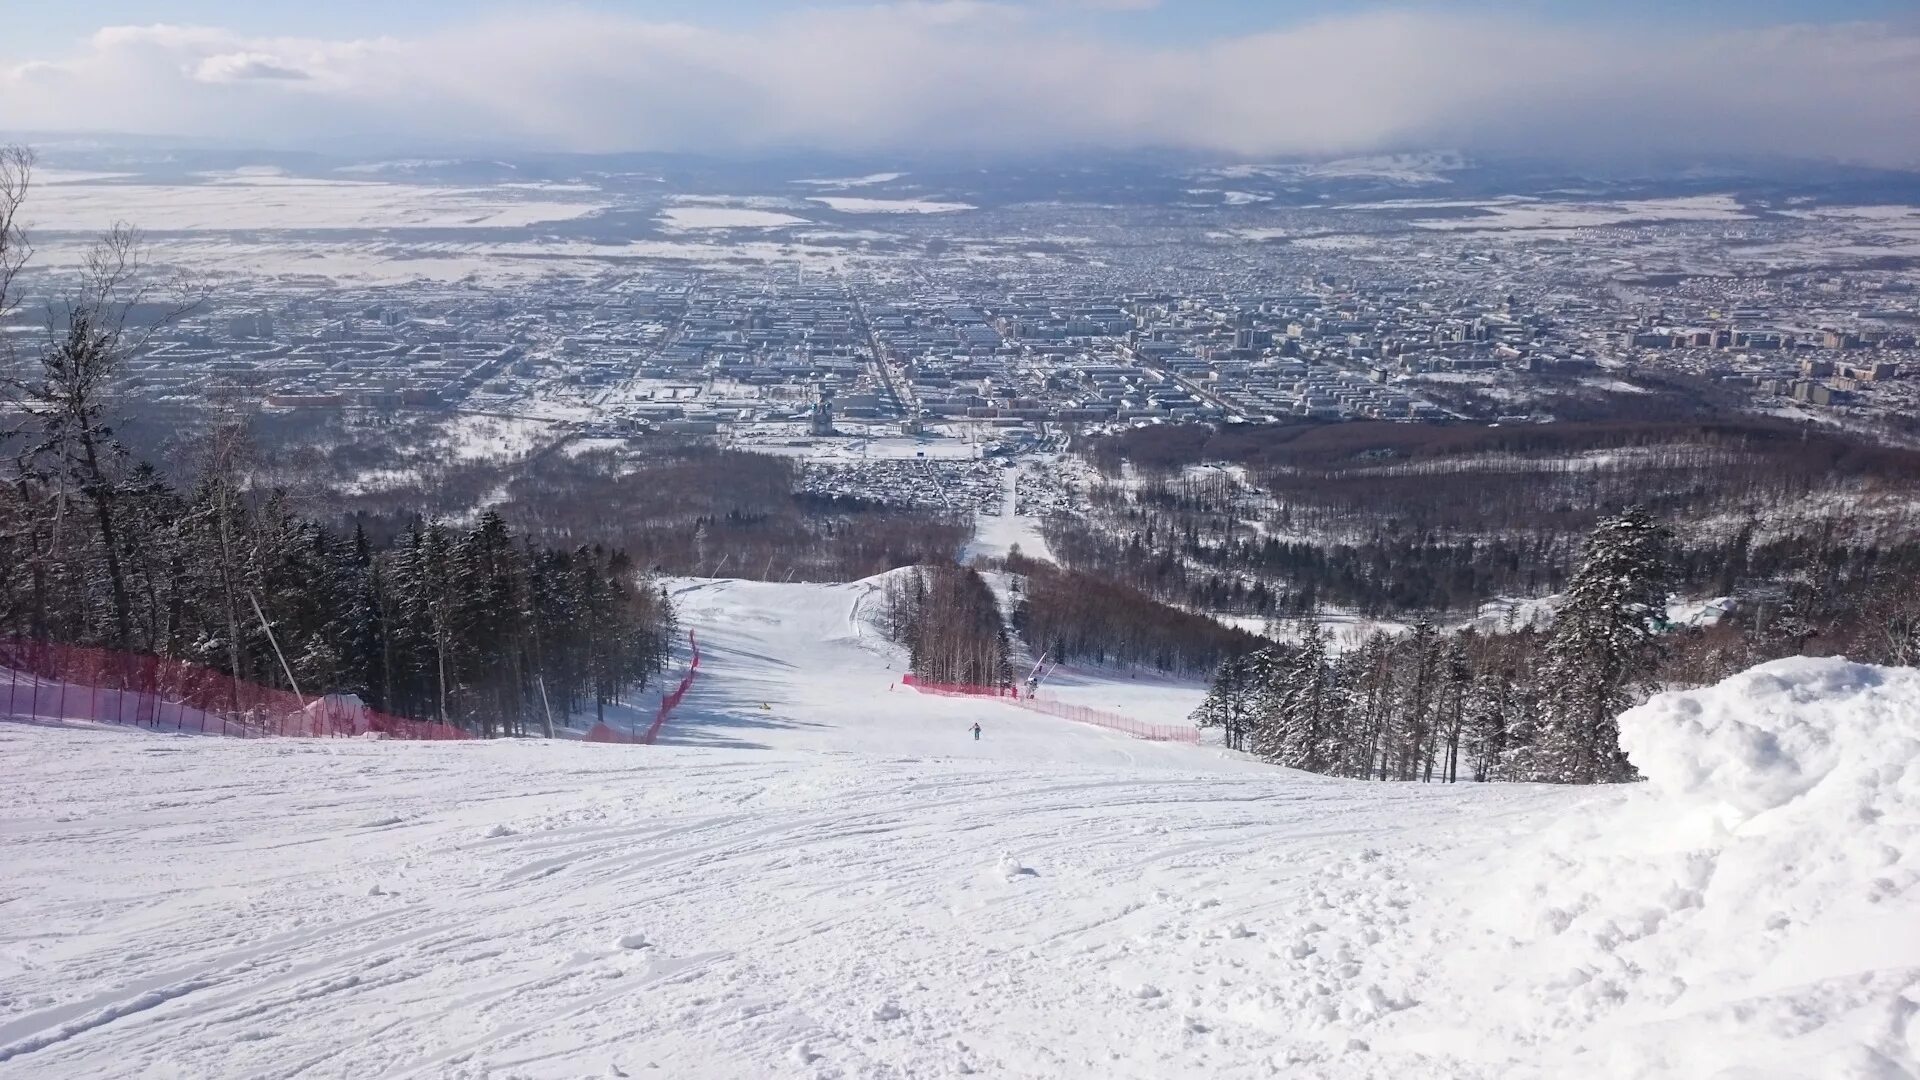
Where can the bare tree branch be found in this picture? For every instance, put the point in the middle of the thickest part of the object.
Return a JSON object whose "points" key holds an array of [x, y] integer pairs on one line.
{"points": [[16, 179], [65, 399]]}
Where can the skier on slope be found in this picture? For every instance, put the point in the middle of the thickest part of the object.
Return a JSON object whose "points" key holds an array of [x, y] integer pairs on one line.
{"points": [[976, 731]]}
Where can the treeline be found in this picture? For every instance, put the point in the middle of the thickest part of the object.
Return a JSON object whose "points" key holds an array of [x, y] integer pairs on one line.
{"points": [[1533, 704], [950, 622], [474, 627], [1389, 519], [1325, 445], [1070, 616], [1420, 708], [1181, 562], [1269, 576], [682, 507], [499, 635]]}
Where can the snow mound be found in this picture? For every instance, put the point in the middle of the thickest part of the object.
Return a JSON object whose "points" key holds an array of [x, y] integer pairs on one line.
{"points": [[1013, 869], [1753, 910], [1839, 733]]}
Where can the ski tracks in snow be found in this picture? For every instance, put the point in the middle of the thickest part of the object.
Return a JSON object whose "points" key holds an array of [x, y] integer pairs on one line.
{"points": [[815, 875], [697, 912]]}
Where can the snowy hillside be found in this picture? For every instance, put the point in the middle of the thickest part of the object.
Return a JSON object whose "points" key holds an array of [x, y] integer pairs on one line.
{"points": [[843, 884], [807, 667]]}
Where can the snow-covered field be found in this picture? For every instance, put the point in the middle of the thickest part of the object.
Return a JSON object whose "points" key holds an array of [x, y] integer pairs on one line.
{"points": [[682, 218], [854, 181], [251, 202], [821, 875], [848, 204], [1533, 214], [384, 261], [479, 437], [996, 535]]}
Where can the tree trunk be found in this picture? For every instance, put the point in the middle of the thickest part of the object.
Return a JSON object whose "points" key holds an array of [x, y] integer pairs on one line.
{"points": [[102, 494], [229, 596]]}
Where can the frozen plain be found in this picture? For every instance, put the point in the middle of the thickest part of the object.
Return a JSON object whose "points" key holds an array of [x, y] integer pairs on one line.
{"points": [[822, 875]]}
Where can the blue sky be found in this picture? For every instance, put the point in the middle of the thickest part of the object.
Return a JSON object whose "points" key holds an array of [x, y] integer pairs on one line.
{"points": [[40, 26]]}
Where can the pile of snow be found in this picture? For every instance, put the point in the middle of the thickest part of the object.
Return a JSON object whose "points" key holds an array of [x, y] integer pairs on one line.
{"points": [[1840, 735], [1012, 869], [1753, 910]]}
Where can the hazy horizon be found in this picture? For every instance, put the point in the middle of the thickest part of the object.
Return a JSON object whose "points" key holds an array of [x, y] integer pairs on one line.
{"points": [[970, 78]]}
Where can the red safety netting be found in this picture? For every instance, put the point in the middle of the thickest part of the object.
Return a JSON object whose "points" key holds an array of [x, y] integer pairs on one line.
{"points": [[69, 683], [1113, 721], [1078, 713], [601, 733], [950, 689]]}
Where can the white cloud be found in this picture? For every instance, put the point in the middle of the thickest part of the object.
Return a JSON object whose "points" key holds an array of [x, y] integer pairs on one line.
{"points": [[240, 66], [975, 75]]}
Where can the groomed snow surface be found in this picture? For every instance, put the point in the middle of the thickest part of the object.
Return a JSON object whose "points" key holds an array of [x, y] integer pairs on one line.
{"points": [[818, 875]]}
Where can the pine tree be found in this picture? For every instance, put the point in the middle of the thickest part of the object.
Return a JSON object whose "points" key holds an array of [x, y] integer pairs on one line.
{"points": [[1604, 641], [1527, 705], [156, 559], [298, 591], [1372, 697], [1336, 724], [217, 534], [484, 618], [1229, 701], [1299, 735], [1456, 677], [1489, 702], [425, 667], [1268, 673], [362, 624], [1412, 724]]}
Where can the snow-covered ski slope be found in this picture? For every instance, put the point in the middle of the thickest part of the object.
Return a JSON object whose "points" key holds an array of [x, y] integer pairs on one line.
{"points": [[807, 667], [844, 885]]}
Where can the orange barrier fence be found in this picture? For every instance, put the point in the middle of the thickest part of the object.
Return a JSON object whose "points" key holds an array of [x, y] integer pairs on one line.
{"points": [[601, 733], [40, 681], [1078, 713]]}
